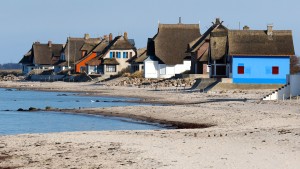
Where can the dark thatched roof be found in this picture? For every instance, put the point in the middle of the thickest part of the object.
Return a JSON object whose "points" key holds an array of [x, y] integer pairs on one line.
{"points": [[203, 52], [88, 47], [170, 43], [218, 43], [120, 43], [73, 47], [43, 54], [110, 61], [27, 58], [95, 61], [258, 43], [140, 57], [101, 46]]}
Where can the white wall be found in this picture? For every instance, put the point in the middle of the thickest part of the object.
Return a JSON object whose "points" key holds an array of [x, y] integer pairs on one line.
{"points": [[155, 70], [151, 69]]}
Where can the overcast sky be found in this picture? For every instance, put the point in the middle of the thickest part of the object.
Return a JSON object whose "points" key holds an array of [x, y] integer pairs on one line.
{"points": [[26, 21]]}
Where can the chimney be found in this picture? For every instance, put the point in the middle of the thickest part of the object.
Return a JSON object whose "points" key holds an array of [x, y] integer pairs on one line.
{"points": [[180, 20], [125, 35], [246, 27], [270, 30], [50, 43], [110, 37], [105, 37], [218, 21], [86, 36]]}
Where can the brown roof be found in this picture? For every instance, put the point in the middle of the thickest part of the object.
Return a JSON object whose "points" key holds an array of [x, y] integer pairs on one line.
{"points": [[120, 43], [140, 57], [218, 44], [74, 46], [95, 61], [203, 52], [258, 43], [27, 58], [110, 61], [88, 47], [216, 37], [43, 54], [170, 43], [101, 46]]}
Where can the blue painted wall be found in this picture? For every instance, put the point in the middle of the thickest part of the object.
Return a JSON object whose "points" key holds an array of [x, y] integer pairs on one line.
{"points": [[258, 69]]}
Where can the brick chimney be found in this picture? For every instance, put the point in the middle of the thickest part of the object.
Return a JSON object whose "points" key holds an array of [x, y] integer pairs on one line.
{"points": [[110, 37], [50, 43], [246, 27], [270, 30], [125, 35], [86, 36]]}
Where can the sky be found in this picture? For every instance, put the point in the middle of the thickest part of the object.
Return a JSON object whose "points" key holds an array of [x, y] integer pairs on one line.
{"points": [[26, 21]]}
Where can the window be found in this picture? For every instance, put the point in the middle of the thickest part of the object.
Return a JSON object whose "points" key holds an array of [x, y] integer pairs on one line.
{"points": [[114, 54], [130, 54], [111, 54], [241, 69], [275, 70], [125, 54], [110, 68]]}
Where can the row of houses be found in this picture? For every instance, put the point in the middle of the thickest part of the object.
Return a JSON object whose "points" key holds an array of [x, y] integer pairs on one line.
{"points": [[245, 56], [105, 55]]}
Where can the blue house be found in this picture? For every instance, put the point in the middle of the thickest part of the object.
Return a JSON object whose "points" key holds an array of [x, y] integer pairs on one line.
{"points": [[259, 56]]}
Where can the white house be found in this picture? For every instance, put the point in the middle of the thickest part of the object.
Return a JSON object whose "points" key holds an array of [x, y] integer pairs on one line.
{"points": [[166, 51]]}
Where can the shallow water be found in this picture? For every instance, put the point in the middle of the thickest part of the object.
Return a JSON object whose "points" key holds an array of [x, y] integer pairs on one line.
{"points": [[15, 122]]}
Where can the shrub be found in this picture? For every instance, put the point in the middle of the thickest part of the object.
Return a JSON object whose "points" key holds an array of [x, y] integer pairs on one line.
{"points": [[137, 74]]}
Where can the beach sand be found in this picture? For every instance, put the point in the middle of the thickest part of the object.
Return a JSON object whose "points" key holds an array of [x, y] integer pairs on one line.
{"points": [[242, 132]]}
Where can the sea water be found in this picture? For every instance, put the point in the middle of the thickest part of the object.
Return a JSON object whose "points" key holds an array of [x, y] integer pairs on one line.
{"points": [[20, 122]]}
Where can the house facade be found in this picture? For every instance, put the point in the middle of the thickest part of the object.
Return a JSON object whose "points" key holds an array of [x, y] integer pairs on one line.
{"points": [[166, 51], [41, 57], [208, 51], [113, 57], [260, 56], [74, 51]]}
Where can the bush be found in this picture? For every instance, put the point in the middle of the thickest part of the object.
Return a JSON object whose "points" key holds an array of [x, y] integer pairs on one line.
{"points": [[124, 72], [137, 74]]}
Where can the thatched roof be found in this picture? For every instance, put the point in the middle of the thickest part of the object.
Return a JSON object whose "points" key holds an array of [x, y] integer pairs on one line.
{"points": [[110, 61], [101, 46], [95, 61], [74, 45], [170, 43], [121, 43], [43, 54], [203, 52], [218, 44], [258, 43], [88, 47], [140, 57]]}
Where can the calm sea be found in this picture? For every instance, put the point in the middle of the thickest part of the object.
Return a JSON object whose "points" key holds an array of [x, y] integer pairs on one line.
{"points": [[15, 122]]}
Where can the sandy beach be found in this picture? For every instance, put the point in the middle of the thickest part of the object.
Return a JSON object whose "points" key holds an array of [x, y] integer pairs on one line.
{"points": [[241, 131]]}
